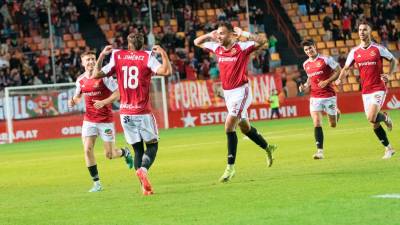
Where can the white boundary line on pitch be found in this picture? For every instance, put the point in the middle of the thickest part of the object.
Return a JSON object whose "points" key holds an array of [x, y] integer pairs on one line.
{"points": [[390, 196]]}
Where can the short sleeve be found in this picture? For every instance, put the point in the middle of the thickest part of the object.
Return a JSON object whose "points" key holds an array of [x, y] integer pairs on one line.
{"points": [[247, 46], [109, 69], [153, 63], [384, 52], [350, 58], [210, 45], [78, 89], [332, 63], [110, 83]]}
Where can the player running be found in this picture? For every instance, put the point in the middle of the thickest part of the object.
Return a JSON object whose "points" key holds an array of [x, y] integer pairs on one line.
{"points": [[98, 119], [232, 57], [321, 71], [368, 59], [134, 68]]}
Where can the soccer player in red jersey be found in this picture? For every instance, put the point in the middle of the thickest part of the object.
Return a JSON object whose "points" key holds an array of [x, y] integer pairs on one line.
{"points": [[98, 119], [368, 59], [321, 71], [134, 68], [232, 57]]}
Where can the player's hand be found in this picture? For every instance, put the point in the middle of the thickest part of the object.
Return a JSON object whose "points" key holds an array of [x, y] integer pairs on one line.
{"points": [[237, 31], [385, 77], [303, 87], [98, 104], [71, 103], [157, 49], [213, 35], [107, 50], [323, 83], [338, 82]]}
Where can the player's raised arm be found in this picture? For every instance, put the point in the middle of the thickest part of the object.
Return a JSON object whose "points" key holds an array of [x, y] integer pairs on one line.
{"points": [[98, 72], [260, 40], [165, 69], [199, 41]]}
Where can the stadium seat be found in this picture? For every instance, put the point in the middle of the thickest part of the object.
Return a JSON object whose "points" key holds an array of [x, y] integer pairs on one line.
{"points": [[340, 43], [201, 13], [81, 43], [338, 23], [317, 24], [329, 10], [350, 43], [308, 25], [321, 31], [304, 19], [275, 57], [321, 45], [392, 46], [330, 44], [355, 87], [162, 23], [242, 16], [325, 51], [303, 32], [314, 18], [173, 22], [210, 12], [77, 36], [352, 79], [347, 87], [199, 33], [395, 83], [344, 49], [67, 37], [354, 35], [312, 32], [334, 51]]}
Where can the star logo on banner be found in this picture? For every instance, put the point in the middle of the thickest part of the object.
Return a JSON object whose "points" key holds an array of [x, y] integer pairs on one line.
{"points": [[188, 120]]}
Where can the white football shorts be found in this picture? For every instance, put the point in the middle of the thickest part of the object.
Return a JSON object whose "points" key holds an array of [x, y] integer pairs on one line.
{"points": [[139, 127], [328, 105], [375, 98], [105, 130], [238, 100]]}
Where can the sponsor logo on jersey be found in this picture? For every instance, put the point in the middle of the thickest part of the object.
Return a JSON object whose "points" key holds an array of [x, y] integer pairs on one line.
{"points": [[227, 59], [372, 53], [367, 63], [319, 64], [93, 93], [315, 73], [233, 51]]}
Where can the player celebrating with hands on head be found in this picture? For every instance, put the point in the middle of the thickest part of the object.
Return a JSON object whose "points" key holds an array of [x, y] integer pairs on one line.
{"points": [[232, 57], [368, 58], [98, 120], [134, 68], [321, 71]]}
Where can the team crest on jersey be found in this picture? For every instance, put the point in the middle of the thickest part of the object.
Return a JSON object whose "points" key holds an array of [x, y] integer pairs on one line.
{"points": [[96, 84], [233, 51], [319, 64], [358, 56], [372, 53]]}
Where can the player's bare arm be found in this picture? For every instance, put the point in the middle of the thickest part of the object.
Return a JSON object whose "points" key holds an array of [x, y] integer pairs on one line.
{"points": [[101, 103], [304, 86], [392, 70], [332, 78], [343, 74], [97, 73], [199, 41], [260, 40], [74, 100], [165, 68]]}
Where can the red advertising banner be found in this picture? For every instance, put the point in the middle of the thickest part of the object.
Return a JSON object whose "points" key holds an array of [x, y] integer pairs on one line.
{"points": [[202, 94], [70, 125], [291, 107]]}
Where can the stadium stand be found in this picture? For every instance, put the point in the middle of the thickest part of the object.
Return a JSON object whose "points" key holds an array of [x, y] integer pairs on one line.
{"points": [[334, 27]]}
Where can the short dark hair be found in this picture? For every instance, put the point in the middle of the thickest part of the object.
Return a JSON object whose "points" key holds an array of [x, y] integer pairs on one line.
{"points": [[226, 24], [136, 40], [86, 53], [307, 42], [365, 22]]}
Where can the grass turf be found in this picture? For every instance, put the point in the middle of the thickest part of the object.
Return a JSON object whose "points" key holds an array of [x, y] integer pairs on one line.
{"points": [[46, 182]]}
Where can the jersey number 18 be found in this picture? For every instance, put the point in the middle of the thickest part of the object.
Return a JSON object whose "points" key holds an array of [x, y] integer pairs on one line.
{"points": [[131, 74]]}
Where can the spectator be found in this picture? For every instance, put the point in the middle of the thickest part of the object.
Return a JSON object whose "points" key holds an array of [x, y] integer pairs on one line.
{"points": [[272, 41]]}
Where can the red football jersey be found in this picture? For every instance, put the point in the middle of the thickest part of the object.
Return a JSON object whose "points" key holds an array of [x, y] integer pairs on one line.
{"points": [[232, 62], [133, 70], [320, 69], [96, 89], [369, 63]]}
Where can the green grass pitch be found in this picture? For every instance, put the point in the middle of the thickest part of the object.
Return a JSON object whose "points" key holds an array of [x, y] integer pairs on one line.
{"points": [[46, 182]]}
